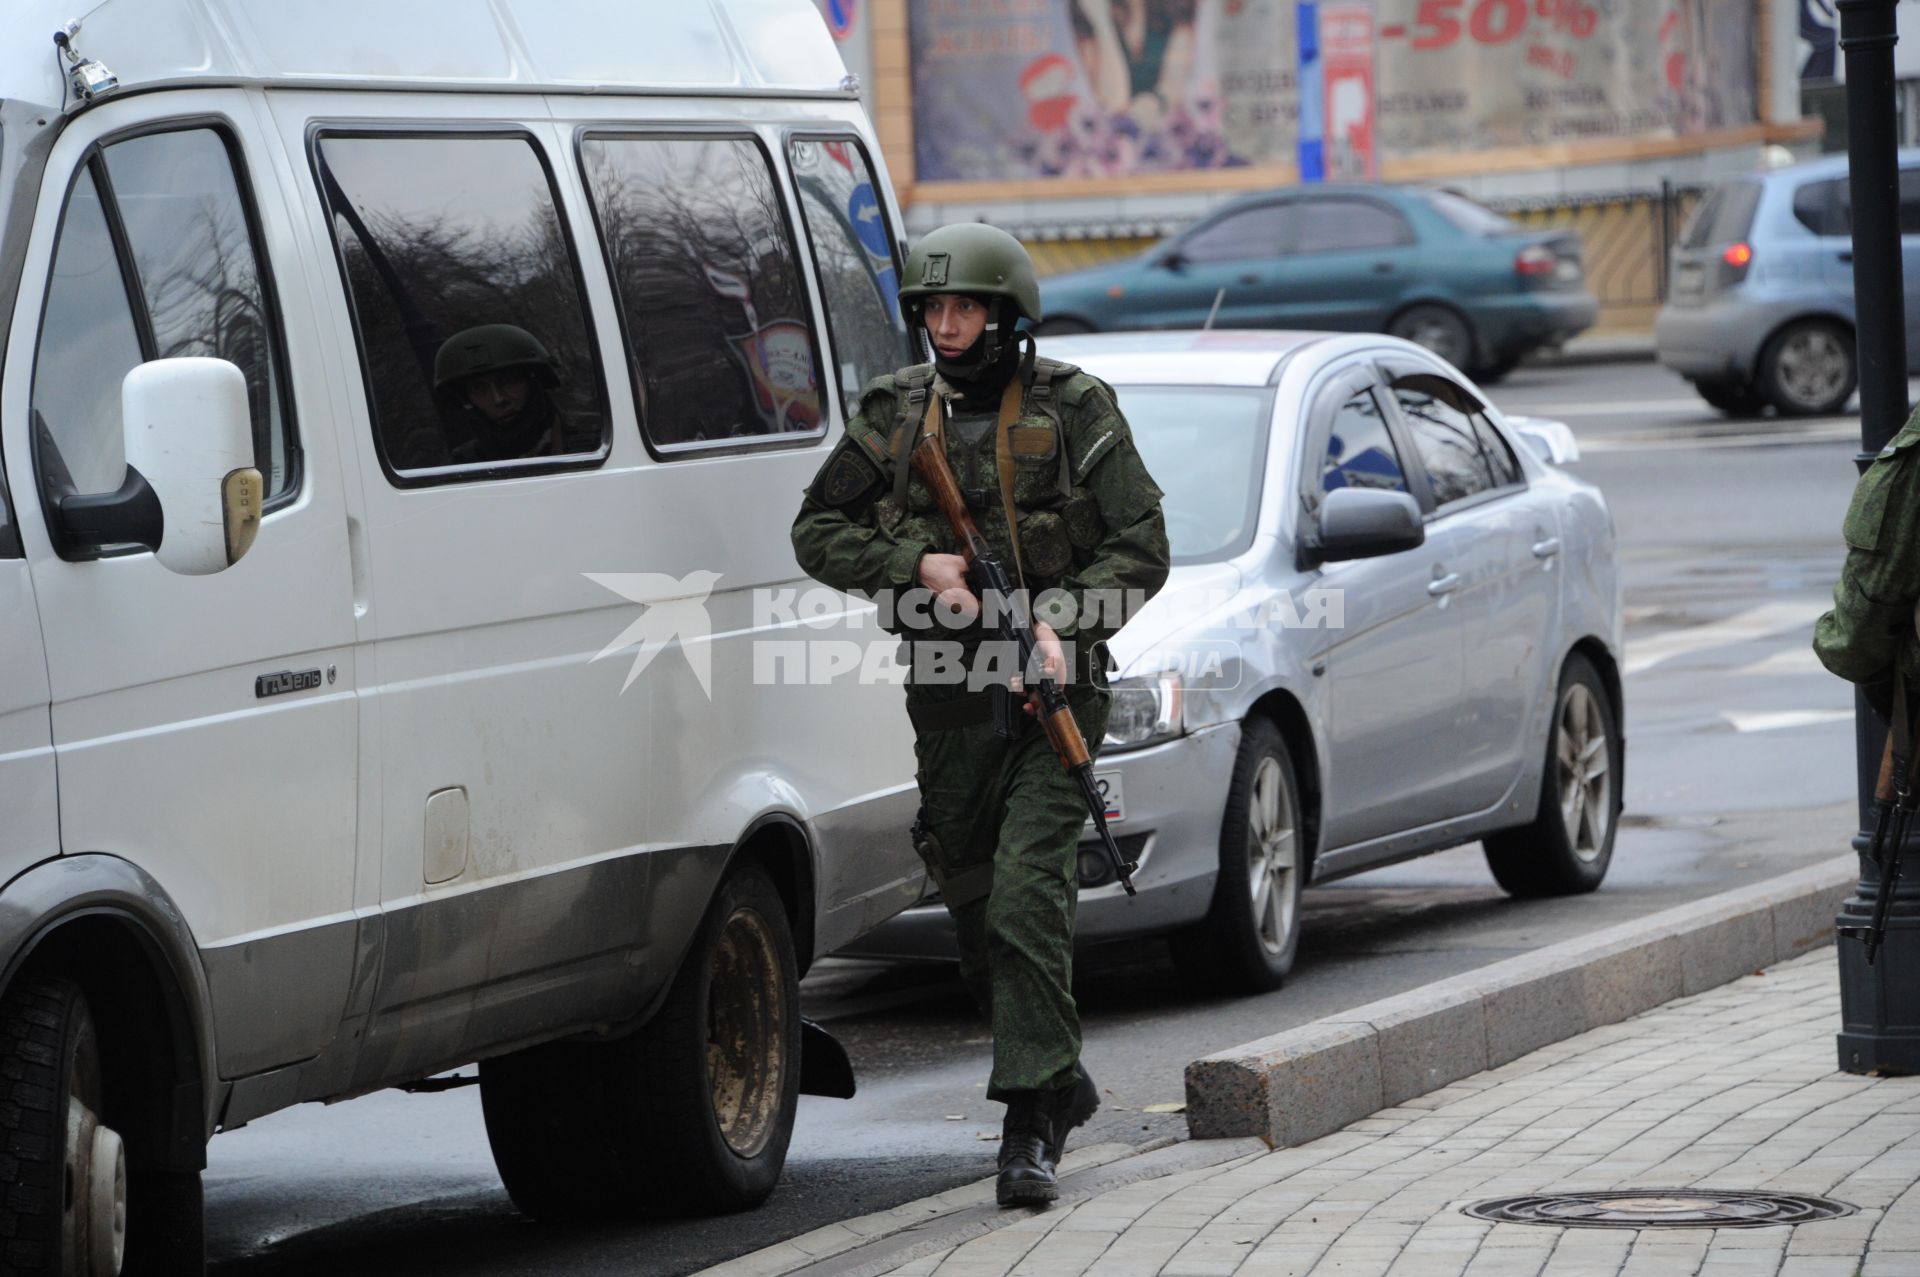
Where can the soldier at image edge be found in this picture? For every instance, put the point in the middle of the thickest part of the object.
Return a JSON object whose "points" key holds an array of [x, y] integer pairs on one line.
{"points": [[1868, 636], [1047, 465]]}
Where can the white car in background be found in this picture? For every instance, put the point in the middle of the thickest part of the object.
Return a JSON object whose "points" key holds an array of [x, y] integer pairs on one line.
{"points": [[1393, 626]]}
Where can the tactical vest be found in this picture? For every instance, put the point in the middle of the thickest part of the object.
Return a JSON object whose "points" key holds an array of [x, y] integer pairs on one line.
{"points": [[1021, 491]]}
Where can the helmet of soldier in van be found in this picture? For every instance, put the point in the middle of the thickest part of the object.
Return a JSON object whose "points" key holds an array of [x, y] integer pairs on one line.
{"points": [[492, 348], [973, 258]]}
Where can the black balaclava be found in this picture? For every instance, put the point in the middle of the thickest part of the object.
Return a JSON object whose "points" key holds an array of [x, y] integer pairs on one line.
{"points": [[983, 370]]}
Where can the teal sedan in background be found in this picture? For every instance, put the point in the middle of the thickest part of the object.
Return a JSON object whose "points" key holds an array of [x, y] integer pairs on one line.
{"points": [[1424, 264]]}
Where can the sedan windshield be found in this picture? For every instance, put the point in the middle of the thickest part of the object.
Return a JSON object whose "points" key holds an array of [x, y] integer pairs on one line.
{"points": [[1206, 446]]}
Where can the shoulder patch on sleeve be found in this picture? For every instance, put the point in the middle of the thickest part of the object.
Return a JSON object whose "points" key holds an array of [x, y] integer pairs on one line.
{"points": [[848, 475], [1088, 454]]}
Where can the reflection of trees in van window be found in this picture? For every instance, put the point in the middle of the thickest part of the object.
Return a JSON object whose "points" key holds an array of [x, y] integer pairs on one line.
{"points": [[194, 287], [853, 255], [442, 235], [709, 285], [188, 232]]}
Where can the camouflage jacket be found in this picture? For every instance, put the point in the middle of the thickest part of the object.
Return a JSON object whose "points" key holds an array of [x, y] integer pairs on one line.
{"points": [[1105, 532], [1872, 621]]}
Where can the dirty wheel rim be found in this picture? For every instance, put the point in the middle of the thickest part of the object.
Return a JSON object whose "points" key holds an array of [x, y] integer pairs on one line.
{"points": [[1583, 761], [746, 1033], [1438, 331], [1271, 848], [1813, 366]]}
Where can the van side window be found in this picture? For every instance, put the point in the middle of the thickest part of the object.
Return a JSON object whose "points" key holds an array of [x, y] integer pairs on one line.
{"points": [[156, 258], [466, 302], [853, 255], [709, 286]]}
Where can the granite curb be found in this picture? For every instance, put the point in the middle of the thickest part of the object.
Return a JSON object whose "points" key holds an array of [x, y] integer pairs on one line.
{"points": [[1310, 1081]]}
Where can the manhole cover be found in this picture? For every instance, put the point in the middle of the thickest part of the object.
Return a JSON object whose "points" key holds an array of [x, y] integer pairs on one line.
{"points": [[1660, 1208]]}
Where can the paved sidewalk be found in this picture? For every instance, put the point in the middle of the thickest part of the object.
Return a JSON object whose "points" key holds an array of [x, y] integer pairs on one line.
{"points": [[1734, 1089]]}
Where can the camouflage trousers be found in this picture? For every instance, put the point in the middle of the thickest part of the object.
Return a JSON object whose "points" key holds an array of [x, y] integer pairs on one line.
{"points": [[1003, 821]]}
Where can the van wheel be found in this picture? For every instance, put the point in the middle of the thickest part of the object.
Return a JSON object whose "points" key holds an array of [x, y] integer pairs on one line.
{"points": [[1566, 848], [1252, 931], [64, 1211], [1808, 369], [690, 1115], [718, 1069]]}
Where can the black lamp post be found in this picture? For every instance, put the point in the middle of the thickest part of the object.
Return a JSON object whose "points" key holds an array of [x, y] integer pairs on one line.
{"points": [[1879, 1005]]}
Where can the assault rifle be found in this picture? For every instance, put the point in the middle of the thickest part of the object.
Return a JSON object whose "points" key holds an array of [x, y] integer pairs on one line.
{"points": [[1894, 803], [990, 581]]}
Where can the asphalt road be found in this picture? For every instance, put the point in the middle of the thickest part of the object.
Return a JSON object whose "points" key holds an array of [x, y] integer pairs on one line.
{"points": [[1739, 767]]}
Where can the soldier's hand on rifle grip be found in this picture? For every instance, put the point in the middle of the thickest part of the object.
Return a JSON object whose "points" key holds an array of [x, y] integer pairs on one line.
{"points": [[1053, 659], [946, 576]]}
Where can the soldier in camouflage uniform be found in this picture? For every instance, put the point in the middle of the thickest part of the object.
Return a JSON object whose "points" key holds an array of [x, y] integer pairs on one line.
{"points": [[1048, 467], [1870, 631]]}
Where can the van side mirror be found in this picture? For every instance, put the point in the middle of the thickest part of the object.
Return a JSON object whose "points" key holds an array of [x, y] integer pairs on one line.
{"points": [[1364, 523], [189, 439]]}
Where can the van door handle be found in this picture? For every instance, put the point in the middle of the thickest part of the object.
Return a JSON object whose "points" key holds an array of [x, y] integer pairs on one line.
{"points": [[1546, 549], [1444, 585], [1846, 255]]}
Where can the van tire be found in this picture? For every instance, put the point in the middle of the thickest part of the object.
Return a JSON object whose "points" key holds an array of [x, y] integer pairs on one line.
{"points": [[704, 1145], [543, 1110], [1544, 857], [632, 1128], [50, 1067]]}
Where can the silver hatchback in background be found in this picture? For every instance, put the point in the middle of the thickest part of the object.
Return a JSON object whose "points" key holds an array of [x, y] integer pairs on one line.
{"points": [[1760, 290], [1392, 626]]}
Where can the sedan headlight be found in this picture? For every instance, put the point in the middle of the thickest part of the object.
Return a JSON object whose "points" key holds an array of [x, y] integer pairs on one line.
{"points": [[1145, 710]]}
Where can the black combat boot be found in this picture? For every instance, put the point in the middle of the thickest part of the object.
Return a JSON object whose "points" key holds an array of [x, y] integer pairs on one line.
{"points": [[1026, 1150]]}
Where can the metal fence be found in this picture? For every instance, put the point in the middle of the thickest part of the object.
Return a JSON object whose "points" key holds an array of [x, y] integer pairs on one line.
{"points": [[1624, 238]]}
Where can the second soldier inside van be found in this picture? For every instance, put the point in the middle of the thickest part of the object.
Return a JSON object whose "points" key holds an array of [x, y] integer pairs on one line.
{"points": [[495, 385]]}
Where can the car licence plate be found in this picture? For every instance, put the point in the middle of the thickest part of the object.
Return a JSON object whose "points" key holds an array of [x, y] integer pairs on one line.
{"points": [[1108, 783]]}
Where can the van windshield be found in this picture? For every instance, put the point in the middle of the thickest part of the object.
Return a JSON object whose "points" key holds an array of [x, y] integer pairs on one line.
{"points": [[1206, 446]]}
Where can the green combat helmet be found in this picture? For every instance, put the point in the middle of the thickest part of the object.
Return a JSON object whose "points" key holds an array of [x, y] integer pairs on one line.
{"points": [[491, 348], [969, 257]]}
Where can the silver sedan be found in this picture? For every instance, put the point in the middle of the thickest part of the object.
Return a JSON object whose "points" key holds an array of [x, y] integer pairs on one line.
{"points": [[1393, 626]]}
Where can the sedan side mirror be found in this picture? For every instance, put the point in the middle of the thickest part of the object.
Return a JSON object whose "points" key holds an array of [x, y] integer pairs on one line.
{"points": [[1364, 523], [1173, 259]]}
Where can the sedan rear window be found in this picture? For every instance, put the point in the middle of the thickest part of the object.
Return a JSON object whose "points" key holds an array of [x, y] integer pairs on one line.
{"points": [[1724, 217], [1206, 447], [1474, 219]]}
